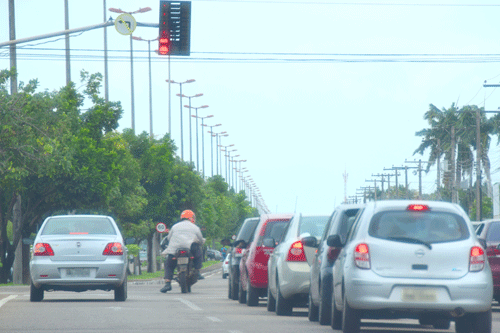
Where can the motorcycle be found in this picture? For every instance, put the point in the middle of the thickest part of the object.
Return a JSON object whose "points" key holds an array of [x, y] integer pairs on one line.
{"points": [[186, 273]]}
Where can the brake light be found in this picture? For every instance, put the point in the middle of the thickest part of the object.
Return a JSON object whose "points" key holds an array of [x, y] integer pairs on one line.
{"points": [[43, 249], [477, 259], [239, 250], [362, 256], [113, 249], [296, 252], [418, 208]]}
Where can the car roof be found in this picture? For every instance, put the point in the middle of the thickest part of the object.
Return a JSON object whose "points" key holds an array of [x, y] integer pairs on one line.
{"points": [[398, 204], [277, 216]]}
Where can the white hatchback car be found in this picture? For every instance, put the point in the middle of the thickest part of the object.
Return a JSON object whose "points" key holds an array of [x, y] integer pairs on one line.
{"points": [[225, 266], [78, 253], [412, 259]]}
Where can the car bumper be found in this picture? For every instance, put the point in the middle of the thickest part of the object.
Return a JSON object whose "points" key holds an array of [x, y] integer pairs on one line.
{"points": [[366, 290], [294, 279], [85, 274], [257, 275]]}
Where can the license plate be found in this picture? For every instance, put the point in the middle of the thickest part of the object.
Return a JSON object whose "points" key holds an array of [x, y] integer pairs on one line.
{"points": [[237, 255], [78, 272], [419, 295], [182, 260]]}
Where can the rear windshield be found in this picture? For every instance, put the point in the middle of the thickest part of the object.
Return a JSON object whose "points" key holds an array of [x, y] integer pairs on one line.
{"points": [[430, 227], [312, 225], [247, 230], [493, 232], [275, 229], [79, 226]]}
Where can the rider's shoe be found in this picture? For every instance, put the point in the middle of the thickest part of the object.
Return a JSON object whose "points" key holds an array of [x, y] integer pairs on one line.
{"points": [[166, 288]]}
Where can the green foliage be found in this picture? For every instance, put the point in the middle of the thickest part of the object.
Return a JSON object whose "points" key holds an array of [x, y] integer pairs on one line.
{"points": [[133, 249]]}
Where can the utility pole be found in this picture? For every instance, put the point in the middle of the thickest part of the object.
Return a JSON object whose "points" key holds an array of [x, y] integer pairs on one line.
{"points": [[396, 174], [419, 175], [383, 180], [374, 185], [66, 27]]}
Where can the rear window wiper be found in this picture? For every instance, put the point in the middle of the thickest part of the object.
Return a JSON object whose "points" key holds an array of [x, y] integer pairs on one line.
{"points": [[411, 240]]}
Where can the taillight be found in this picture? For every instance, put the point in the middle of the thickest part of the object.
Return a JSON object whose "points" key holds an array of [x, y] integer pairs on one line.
{"points": [[418, 208], [296, 252], [113, 249], [239, 250], [477, 259], [43, 249], [362, 256]]}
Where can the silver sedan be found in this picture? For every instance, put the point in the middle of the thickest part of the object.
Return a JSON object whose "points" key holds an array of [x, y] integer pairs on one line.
{"points": [[78, 253], [288, 270]]}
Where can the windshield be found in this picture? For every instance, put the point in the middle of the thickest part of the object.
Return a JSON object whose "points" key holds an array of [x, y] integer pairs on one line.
{"points": [[312, 225], [79, 226], [428, 227]]}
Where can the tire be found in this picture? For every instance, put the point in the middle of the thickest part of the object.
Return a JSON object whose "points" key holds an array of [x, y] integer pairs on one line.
{"points": [[224, 276], [283, 306], [336, 316], [252, 295], [121, 292], [313, 310], [36, 294], [351, 320], [325, 303], [464, 324], [441, 324], [242, 294], [183, 281], [271, 301], [229, 290], [234, 286], [482, 322]]}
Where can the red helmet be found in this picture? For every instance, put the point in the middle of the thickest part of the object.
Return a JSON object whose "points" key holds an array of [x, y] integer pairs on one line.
{"points": [[188, 215]]}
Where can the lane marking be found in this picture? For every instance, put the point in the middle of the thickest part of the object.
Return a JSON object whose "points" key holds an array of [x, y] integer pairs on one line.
{"points": [[214, 319], [190, 304], [6, 299]]}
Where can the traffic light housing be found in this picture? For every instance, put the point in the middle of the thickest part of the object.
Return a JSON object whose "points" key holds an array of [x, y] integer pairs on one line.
{"points": [[175, 28]]}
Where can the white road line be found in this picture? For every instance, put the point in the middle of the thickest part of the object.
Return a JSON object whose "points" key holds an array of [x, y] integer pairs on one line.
{"points": [[6, 299], [191, 305], [235, 332], [214, 319]]}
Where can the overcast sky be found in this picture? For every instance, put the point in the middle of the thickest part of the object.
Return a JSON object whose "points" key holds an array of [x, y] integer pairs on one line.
{"points": [[306, 90]]}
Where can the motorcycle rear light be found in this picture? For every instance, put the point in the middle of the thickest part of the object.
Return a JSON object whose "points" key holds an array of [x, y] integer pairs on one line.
{"points": [[113, 249], [477, 259], [43, 249], [362, 256], [418, 208], [239, 250], [296, 252], [181, 253]]}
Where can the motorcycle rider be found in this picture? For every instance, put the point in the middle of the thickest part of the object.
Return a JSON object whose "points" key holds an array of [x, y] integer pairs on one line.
{"points": [[184, 233]]}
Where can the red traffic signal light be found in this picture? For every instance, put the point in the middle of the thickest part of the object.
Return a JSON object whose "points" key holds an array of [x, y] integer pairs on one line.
{"points": [[164, 44]]}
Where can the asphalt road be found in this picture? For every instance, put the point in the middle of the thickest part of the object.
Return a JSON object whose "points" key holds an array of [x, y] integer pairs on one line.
{"points": [[206, 309]]}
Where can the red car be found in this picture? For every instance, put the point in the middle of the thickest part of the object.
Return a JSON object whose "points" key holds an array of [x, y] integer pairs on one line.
{"points": [[488, 232], [253, 264]]}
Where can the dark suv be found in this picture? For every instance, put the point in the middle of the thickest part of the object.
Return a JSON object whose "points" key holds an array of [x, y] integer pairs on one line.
{"points": [[243, 239], [320, 292]]}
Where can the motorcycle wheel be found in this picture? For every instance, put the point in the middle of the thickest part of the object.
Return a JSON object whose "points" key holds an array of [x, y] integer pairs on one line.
{"points": [[183, 282]]}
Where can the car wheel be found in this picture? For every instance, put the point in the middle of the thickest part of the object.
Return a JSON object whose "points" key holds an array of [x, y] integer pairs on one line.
{"points": [[252, 295], [271, 301], [36, 294], [336, 315], [463, 324], [351, 320], [313, 310], [283, 306], [233, 285], [325, 303], [242, 294], [482, 322], [441, 324], [224, 275], [121, 292]]}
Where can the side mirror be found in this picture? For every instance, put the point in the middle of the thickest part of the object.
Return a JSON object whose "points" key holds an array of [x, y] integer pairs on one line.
{"points": [[310, 241], [269, 242], [334, 241], [239, 243]]}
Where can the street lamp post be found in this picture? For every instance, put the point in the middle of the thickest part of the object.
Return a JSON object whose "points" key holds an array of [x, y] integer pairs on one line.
{"points": [[212, 145], [140, 10], [190, 127], [180, 87], [225, 149], [217, 149], [150, 87], [202, 142], [196, 116]]}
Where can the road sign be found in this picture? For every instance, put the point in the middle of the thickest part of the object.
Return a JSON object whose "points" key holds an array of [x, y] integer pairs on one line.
{"points": [[161, 227], [125, 24]]}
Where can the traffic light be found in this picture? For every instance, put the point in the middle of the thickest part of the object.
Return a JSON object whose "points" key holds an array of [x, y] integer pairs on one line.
{"points": [[175, 28]]}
